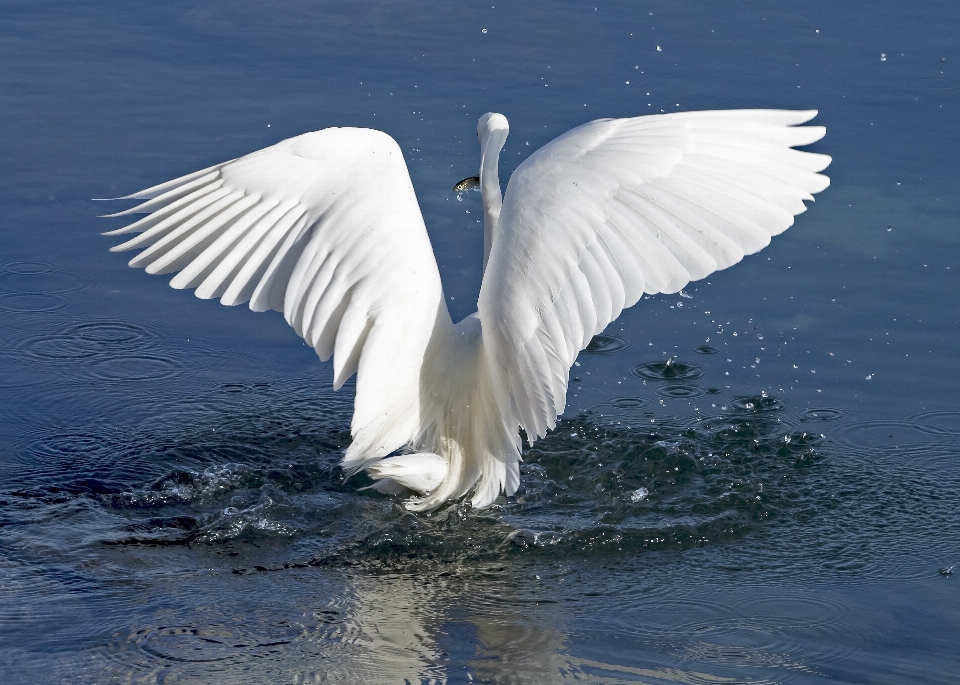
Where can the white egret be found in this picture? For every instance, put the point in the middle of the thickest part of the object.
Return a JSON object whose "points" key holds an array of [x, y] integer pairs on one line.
{"points": [[325, 227]]}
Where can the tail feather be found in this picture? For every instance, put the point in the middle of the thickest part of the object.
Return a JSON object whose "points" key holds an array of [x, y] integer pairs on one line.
{"points": [[420, 471]]}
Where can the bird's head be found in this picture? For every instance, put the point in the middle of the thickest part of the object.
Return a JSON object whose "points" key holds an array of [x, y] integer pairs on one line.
{"points": [[492, 131], [492, 127]]}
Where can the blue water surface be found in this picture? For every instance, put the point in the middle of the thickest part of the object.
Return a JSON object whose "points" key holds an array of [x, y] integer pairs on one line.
{"points": [[779, 504]]}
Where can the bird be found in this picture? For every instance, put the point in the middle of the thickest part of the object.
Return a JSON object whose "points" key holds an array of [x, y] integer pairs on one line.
{"points": [[325, 227]]}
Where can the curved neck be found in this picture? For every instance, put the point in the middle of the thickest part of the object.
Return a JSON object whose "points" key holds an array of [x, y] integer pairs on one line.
{"points": [[492, 200], [492, 130]]}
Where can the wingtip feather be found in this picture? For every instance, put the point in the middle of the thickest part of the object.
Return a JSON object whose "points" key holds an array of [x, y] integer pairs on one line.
{"points": [[116, 214]]}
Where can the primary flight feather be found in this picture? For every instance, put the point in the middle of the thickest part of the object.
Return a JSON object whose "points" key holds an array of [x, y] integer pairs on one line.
{"points": [[325, 227]]}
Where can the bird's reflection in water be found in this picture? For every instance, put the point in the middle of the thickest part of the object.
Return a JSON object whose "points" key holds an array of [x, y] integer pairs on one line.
{"points": [[451, 629], [396, 617], [526, 649], [416, 629]]}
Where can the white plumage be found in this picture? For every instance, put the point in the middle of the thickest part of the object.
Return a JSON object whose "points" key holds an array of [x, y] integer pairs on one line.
{"points": [[326, 228]]}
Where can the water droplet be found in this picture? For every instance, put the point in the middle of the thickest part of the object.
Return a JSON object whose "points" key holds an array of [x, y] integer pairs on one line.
{"points": [[668, 370]]}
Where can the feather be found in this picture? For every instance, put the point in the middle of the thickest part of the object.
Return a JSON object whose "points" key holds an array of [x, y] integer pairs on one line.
{"points": [[325, 227]]}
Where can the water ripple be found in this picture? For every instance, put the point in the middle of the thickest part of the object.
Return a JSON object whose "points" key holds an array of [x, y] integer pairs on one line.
{"points": [[619, 407], [773, 613], [941, 84], [30, 302], [938, 422], [679, 391], [763, 403], [216, 637], [885, 433], [86, 340], [40, 277], [606, 344], [135, 367], [668, 370], [823, 414]]}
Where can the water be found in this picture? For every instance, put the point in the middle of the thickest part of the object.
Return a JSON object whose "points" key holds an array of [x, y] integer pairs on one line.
{"points": [[756, 481]]}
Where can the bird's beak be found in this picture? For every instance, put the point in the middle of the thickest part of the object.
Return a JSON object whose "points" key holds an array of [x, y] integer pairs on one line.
{"points": [[466, 184]]}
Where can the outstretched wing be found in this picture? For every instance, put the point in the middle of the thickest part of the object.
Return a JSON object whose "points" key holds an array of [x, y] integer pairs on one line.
{"points": [[621, 207], [326, 228]]}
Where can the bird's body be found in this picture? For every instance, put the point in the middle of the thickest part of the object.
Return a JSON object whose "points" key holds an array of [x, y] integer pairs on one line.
{"points": [[325, 227]]}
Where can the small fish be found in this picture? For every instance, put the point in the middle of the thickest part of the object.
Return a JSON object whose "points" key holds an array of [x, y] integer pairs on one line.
{"points": [[466, 184]]}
